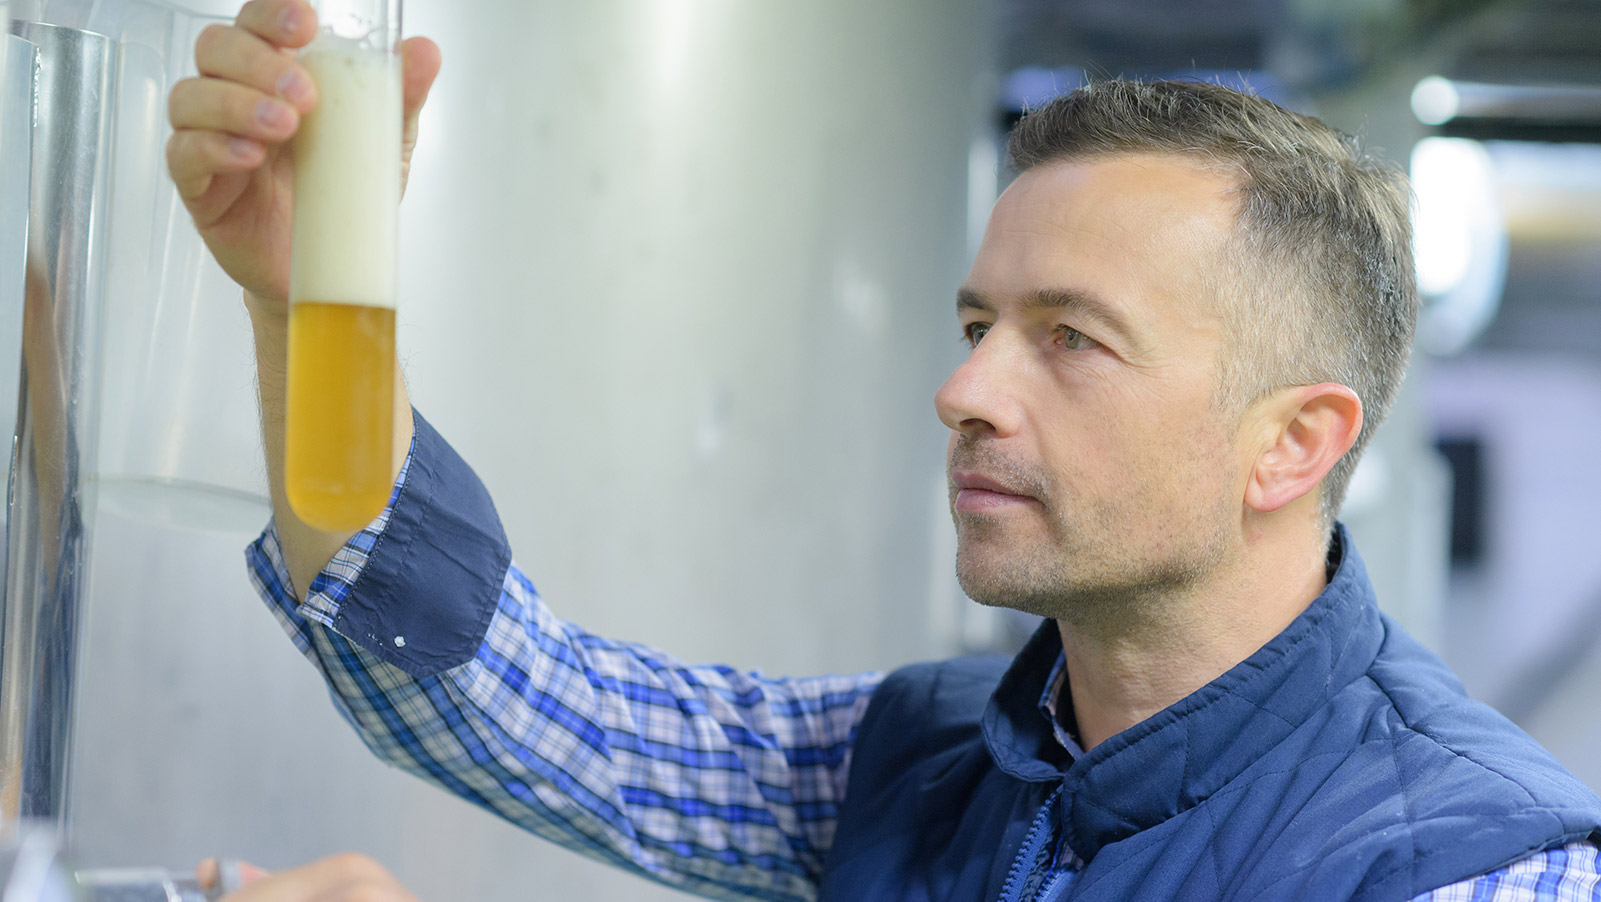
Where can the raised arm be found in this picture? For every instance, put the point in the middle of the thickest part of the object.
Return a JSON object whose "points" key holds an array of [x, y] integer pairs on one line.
{"points": [[230, 162], [441, 654]]}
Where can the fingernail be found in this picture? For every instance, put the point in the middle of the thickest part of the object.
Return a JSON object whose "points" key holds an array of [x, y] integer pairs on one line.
{"points": [[272, 114], [243, 148], [294, 87], [289, 21]]}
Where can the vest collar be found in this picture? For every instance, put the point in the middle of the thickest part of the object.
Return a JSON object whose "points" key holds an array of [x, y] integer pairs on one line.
{"points": [[1178, 757]]}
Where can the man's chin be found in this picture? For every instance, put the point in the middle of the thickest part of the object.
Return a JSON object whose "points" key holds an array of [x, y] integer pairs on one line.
{"points": [[1008, 585]]}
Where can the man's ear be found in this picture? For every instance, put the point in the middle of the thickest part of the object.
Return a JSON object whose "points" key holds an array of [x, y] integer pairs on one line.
{"points": [[1307, 430]]}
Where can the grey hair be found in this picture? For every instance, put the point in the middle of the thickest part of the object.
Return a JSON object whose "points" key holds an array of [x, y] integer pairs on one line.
{"points": [[1321, 287]]}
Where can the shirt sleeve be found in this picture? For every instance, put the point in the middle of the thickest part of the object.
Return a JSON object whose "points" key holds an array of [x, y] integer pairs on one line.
{"points": [[1566, 874], [441, 654]]}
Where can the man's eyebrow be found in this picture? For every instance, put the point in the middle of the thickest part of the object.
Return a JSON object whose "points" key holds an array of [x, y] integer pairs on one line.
{"points": [[1074, 300]]}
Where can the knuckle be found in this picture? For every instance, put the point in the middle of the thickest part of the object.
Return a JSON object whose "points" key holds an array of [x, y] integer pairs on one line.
{"points": [[210, 40], [258, 13], [174, 153], [176, 98], [249, 10], [236, 108], [217, 149]]}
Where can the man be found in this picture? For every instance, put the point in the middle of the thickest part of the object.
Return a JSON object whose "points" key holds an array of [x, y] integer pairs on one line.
{"points": [[1188, 314]]}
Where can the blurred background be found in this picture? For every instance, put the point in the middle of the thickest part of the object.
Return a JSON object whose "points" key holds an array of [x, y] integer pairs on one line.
{"points": [[678, 280]]}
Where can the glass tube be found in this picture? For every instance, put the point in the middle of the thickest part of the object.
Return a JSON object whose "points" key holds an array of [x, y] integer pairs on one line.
{"points": [[342, 292]]}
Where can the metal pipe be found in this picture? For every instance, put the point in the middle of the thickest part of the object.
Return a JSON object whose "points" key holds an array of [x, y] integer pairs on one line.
{"points": [[55, 434]]}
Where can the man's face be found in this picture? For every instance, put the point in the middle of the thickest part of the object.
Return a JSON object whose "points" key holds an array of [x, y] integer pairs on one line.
{"points": [[1090, 469]]}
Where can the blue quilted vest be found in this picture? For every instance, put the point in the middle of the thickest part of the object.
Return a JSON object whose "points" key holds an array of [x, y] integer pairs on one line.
{"points": [[1340, 761]]}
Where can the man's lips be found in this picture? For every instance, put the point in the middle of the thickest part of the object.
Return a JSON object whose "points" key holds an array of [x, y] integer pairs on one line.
{"points": [[977, 493]]}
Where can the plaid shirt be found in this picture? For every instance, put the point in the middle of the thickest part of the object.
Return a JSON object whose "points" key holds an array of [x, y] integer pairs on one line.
{"points": [[714, 781]]}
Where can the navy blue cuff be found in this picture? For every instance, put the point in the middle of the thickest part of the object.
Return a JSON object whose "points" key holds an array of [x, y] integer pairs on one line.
{"points": [[425, 597]]}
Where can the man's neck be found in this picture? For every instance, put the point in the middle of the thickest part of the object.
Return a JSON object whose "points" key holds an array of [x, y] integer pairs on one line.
{"points": [[1122, 677]]}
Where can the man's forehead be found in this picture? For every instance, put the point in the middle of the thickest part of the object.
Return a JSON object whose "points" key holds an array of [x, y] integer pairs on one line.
{"points": [[1157, 184], [1108, 236]]}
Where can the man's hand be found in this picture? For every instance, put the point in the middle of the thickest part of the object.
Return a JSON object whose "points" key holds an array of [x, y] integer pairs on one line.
{"points": [[348, 877], [229, 158], [229, 153]]}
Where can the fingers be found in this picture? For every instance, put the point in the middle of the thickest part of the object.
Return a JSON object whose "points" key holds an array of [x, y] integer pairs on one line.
{"points": [[194, 157], [217, 877], [283, 23], [234, 54], [210, 103], [206, 873], [340, 877], [250, 93], [249, 873]]}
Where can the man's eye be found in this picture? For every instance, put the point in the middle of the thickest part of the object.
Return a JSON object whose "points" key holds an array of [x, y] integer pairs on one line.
{"points": [[1075, 340], [975, 332]]}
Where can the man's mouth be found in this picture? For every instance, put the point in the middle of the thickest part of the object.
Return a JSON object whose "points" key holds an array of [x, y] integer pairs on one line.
{"points": [[978, 493]]}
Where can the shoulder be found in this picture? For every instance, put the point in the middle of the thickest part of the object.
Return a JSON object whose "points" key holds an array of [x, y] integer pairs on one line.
{"points": [[1441, 787], [923, 707], [1449, 747], [952, 674], [953, 690]]}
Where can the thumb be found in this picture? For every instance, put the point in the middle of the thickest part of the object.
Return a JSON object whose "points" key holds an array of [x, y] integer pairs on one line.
{"points": [[420, 59]]}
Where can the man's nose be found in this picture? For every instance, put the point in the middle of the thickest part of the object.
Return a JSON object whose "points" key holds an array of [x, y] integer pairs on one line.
{"points": [[981, 396]]}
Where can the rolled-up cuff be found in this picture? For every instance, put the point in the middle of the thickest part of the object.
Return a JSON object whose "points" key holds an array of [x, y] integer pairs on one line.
{"points": [[424, 597]]}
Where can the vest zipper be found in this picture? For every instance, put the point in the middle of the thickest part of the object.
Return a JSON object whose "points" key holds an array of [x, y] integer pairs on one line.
{"points": [[1034, 845], [1048, 891]]}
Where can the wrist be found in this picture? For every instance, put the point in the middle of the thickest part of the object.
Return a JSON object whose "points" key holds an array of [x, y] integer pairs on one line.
{"points": [[268, 312], [269, 327]]}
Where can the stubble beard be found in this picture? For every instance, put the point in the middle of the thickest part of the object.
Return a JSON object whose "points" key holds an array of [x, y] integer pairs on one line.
{"points": [[1087, 570]]}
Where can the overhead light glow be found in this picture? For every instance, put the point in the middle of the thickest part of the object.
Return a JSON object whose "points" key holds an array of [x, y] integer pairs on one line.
{"points": [[1435, 101], [1460, 241]]}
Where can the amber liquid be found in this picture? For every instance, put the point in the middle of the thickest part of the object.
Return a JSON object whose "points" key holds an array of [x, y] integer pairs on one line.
{"points": [[338, 458]]}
